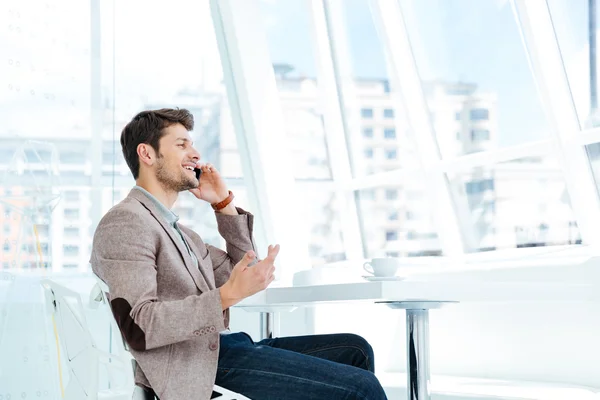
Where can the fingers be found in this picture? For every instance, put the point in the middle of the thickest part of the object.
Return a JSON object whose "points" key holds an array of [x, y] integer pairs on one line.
{"points": [[273, 252], [247, 259], [206, 167]]}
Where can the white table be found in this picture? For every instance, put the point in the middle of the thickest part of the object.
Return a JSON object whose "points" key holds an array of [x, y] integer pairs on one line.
{"points": [[417, 298]]}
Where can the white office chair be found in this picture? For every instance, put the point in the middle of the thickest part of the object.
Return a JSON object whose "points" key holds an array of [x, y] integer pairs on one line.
{"points": [[84, 359], [98, 295], [82, 356]]}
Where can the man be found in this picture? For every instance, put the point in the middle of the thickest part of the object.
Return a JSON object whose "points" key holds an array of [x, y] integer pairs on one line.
{"points": [[170, 292]]}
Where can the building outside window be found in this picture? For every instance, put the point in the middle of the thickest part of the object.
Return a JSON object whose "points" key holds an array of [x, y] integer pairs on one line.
{"points": [[366, 113], [480, 114]]}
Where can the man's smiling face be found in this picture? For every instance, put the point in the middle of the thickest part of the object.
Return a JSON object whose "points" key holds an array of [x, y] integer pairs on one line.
{"points": [[176, 160]]}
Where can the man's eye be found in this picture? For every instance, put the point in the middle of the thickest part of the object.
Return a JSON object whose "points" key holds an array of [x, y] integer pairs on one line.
{"points": [[181, 145]]}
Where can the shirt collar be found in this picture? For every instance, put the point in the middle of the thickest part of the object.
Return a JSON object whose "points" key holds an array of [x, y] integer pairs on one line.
{"points": [[166, 213]]}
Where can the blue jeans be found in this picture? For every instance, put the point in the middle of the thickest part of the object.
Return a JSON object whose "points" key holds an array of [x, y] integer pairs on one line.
{"points": [[318, 367]]}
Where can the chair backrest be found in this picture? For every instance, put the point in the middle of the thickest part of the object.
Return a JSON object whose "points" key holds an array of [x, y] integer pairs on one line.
{"points": [[82, 356]]}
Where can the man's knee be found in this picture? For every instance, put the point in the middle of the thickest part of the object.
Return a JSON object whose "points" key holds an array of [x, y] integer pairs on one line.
{"points": [[365, 348]]}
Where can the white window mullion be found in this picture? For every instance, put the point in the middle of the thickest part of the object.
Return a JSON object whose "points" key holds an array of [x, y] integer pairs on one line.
{"points": [[546, 62], [388, 17], [260, 131], [96, 116], [336, 88]]}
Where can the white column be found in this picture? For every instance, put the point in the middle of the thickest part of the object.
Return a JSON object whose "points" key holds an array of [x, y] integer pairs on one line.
{"points": [[260, 132], [336, 88], [403, 73], [544, 56]]}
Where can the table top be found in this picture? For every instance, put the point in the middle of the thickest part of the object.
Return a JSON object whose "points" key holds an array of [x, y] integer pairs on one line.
{"points": [[419, 291]]}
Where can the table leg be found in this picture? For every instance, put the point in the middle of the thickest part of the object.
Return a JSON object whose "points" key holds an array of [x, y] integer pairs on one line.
{"points": [[417, 345], [267, 324]]}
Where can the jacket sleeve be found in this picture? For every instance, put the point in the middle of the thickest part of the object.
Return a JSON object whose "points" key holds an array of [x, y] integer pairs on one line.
{"points": [[237, 232], [124, 256]]}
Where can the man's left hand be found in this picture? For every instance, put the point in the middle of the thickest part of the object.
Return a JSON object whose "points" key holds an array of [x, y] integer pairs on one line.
{"points": [[212, 187]]}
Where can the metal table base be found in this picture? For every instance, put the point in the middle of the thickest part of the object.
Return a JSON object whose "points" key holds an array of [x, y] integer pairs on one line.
{"points": [[417, 345]]}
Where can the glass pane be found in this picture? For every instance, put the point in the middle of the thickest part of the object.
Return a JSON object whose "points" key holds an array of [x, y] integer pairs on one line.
{"points": [[397, 222], [289, 38], [323, 221], [571, 19], [380, 135], [522, 203], [475, 74]]}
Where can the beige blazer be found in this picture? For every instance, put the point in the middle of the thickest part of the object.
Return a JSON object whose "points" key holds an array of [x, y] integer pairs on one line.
{"points": [[168, 309]]}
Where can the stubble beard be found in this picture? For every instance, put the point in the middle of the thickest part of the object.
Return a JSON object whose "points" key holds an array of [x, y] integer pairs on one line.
{"points": [[172, 181]]}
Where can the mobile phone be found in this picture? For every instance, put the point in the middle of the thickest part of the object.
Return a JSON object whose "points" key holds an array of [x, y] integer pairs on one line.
{"points": [[198, 172]]}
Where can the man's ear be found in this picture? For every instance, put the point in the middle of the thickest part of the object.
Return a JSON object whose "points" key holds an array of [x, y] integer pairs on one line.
{"points": [[146, 154]]}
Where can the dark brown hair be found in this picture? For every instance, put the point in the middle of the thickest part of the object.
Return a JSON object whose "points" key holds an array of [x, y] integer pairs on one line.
{"points": [[148, 127]]}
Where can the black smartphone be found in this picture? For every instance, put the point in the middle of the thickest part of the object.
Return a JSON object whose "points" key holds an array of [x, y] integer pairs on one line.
{"points": [[198, 172]]}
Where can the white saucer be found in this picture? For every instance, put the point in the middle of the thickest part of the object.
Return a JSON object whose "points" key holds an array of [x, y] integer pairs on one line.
{"points": [[372, 278]]}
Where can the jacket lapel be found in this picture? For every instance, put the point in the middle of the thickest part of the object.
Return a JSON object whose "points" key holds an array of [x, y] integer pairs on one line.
{"points": [[187, 259], [204, 267]]}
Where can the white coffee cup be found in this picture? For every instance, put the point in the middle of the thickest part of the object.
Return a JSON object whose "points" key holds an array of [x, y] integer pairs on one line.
{"points": [[382, 266]]}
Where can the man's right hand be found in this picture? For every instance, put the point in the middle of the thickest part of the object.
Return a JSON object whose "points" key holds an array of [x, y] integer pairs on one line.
{"points": [[245, 281]]}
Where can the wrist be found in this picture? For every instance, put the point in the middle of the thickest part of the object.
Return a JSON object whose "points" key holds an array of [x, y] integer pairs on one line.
{"points": [[229, 210], [218, 206], [228, 299]]}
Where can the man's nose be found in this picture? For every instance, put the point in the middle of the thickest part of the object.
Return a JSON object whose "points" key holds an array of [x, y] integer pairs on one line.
{"points": [[195, 155]]}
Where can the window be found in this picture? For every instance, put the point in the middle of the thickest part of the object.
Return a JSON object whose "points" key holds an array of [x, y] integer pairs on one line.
{"points": [[481, 186], [480, 135], [6, 247], [71, 232], [70, 266], [295, 81], [368, 132], [71, 195], [391, 154], [479, 114], [71, 213], [391, 235], [393, 216], [457, 89], [6, 229], [368, 194], [388, 113], [77, 158], [366, 113], [369, 153], [391, 194], [457, 135], [510, 200], [389, 133], [70, 250]]}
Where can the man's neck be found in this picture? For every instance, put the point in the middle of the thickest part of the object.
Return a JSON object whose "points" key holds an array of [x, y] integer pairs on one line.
{"points": [[166, 197]]}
